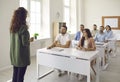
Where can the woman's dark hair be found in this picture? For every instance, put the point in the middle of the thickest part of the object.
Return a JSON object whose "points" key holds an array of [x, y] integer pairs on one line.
{"points": [[108, 27], [18, 19], [83, 38]]}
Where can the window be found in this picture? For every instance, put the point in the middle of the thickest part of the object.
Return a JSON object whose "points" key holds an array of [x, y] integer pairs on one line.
{"points": [[35, 22], [35, 17], [23, 3], [70, 15]]}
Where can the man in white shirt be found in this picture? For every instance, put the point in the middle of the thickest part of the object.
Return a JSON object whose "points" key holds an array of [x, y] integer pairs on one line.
{"points": [[62, 40]]}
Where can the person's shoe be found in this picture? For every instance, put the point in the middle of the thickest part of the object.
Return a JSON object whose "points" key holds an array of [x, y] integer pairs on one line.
{"points": [[65, 72], [80, 77], [61, 74]]}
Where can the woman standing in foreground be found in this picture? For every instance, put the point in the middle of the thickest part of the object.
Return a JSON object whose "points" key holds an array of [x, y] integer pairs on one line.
{"points": [[19, 44]]}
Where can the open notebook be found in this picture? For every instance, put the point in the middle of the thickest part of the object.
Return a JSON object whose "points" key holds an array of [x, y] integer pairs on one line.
{"points": [[57, 49], [99, 43]]}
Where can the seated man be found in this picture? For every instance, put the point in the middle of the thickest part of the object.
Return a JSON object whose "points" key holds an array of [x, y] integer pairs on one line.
{"points": [[78, 36], [100, 36], [95, 30], [62, 40]]}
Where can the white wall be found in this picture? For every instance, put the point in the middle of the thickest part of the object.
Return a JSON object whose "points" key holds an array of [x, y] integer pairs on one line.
{"points": [[95, 9], [81, 13], [6, 11], [55, 6]]}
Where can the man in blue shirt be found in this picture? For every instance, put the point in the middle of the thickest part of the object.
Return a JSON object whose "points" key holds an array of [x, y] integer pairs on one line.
{"points": [[78, 36], [100, 36], [79, 33]]}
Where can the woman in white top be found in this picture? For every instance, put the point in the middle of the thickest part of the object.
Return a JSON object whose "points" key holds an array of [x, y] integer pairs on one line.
{"points": [[87, 43]]}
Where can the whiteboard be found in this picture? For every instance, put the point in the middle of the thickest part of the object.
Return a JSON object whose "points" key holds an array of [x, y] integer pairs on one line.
{"points": [[113, 22]]}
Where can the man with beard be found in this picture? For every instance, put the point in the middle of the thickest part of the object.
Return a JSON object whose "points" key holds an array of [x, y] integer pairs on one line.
{"points": [[62, 40], [95, 30], [100, 36]]}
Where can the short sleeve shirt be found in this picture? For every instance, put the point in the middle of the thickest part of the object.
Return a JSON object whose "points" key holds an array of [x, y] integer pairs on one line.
{"points": [[62, 39]]}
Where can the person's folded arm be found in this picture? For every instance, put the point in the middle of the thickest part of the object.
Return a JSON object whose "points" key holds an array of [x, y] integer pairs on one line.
{"points": [[53, 45], [67, 45]]}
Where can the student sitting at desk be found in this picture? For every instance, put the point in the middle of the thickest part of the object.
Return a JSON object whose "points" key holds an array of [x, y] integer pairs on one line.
{"points": [[87, 43], [62, 40], [100, 36], [78, 35], [109, 35], [95, 30], [108, 32]]}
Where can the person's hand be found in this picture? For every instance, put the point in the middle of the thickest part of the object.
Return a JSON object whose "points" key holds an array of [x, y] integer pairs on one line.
{"points": [[84, 49], [78, 48], [58, 45], [49, 47], [31, 39]]}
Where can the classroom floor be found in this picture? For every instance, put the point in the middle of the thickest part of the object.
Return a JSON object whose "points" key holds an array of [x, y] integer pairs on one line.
{"points": [[111, 74]]}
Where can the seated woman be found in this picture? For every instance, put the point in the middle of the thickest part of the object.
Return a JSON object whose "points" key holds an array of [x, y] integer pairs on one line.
{"points": [[109, 35], [87, 43], [108, 32]]}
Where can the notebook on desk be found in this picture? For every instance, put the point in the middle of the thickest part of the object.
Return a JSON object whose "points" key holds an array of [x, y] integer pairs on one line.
{"points": [[99, 43]]}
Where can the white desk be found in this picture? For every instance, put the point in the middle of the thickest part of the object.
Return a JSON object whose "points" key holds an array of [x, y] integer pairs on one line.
{"points": [[102, 47], [68, 59]]}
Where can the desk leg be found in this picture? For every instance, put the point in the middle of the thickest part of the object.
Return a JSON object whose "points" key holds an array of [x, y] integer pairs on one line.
{"points": [[97, 73], [106, 60], [37, 71], [88, 78], [88, 75], [103, 58], [43, 75]]}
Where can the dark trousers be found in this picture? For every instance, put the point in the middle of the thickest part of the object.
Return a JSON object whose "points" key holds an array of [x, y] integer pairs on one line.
{"points": [[18, 74]]}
